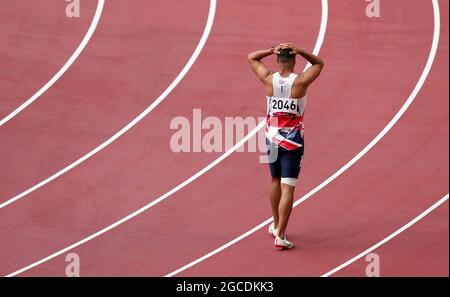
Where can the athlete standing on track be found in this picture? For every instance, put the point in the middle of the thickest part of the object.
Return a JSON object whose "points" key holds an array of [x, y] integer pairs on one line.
{"points": [[286, 100]]}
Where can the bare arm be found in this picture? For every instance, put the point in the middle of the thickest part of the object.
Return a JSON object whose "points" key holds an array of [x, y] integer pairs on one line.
{"points": [[260, 69], [317, 64]]}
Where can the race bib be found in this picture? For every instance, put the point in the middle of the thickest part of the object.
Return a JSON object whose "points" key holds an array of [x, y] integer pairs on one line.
{"points": [[284, 105]]}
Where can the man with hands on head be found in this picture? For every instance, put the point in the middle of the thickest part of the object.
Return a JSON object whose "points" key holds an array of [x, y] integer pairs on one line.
{"points": [[286, 101]]}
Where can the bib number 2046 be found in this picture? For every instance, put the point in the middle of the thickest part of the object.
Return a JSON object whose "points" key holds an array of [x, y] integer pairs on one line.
{"points": [[284, 104]]}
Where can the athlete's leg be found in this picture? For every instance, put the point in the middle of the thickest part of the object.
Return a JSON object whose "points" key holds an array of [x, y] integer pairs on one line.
{"points": [[275, 196], [275, 189], [290, 168], [285, 208]]}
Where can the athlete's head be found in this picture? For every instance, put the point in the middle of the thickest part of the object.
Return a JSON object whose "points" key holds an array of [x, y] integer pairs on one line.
{"points": [[285, 57]]}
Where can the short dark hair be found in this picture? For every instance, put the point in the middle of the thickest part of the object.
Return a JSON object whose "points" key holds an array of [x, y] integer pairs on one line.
{"points": [[285, 55]]}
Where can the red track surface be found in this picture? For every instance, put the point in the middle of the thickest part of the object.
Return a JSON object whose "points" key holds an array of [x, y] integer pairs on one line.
{"points": [[372, 65], [36, 40]]}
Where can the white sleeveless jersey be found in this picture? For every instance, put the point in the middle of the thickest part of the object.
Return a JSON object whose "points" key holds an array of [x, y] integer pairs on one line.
{"points": [[285, 114]]}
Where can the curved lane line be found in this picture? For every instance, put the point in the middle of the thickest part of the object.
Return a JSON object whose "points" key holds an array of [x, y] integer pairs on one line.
{"points": [[122, 131], [317, 47], [386, 129], [388, 238], [66, 66]]}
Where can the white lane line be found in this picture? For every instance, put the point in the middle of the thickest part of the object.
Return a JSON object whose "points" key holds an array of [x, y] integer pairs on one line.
{"points": [[170, 88], [385, 240], [57, 76], [388, 127], [317, 47]]}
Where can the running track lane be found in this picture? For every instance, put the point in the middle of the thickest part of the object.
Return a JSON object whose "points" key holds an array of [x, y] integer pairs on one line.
{"points": [[111, 83], [64, 68], [395, 182], [163, 223], [403, 252], [132, 164], [36, 40]]}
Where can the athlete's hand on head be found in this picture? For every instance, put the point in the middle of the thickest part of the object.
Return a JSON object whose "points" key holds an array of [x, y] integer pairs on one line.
{"points": [[283, 45], [276, 50], [294, 49]]}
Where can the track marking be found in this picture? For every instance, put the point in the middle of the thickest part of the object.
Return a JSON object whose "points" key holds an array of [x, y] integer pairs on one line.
{"points": [[386, 129], [252, 133], [388, 238], [170, 88], [317, 47], [57, 76]]}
